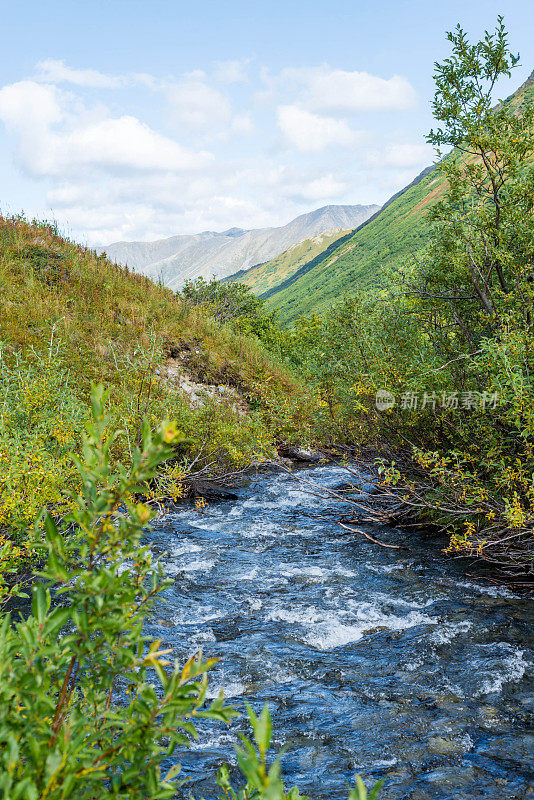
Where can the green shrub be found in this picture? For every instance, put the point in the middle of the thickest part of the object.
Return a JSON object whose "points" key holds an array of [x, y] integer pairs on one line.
{"points": [[47, 265], [457, 324], [236, 304]]}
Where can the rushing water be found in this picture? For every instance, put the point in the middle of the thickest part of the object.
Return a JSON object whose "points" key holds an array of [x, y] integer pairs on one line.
{"points": [[387, 663]]}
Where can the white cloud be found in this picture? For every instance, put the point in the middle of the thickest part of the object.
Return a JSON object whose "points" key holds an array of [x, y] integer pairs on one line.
{"points": [[31, 111], [52, 70], [29, 101], [231, 71], [242, 124], [125, 143], [401, 155], [155, 207], [34, 112], [196, 104], [323, 187], [336, 89], [109, 175], [257, 194], [311, 133]]}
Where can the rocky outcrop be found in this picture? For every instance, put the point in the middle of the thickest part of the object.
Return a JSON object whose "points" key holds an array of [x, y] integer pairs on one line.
{"points": [[174, 372]]}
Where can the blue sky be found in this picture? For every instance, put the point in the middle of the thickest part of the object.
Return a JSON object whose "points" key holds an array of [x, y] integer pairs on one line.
{"points": [[130, 120]]}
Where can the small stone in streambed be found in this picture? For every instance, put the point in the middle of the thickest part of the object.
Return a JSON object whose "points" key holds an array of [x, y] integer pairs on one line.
{"points": [[443, 746], [492, 719], [451, 777]]}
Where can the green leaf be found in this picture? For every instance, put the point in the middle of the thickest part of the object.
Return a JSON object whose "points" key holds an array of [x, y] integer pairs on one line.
{"points": [[53, 763], [360, 792], [262, 727], [375, 791], [11, 752], [56, 568], [56, 620], [53, 536], [173, 772], [25, 790], [40, 602]]}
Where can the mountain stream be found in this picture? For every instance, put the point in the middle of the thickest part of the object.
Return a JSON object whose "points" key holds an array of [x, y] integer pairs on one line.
{"points": [[388, 663]]}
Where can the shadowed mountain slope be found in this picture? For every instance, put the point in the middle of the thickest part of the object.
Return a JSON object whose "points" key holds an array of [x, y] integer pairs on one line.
{"points": [[263, 277]]}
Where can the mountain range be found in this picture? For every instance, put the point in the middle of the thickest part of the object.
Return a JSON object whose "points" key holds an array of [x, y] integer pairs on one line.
{"points": [[212, 254]]}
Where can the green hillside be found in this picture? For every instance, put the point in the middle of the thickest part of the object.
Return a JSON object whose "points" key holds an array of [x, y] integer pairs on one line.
{"points": [[71, 318], [265, 276], [381, 245]]}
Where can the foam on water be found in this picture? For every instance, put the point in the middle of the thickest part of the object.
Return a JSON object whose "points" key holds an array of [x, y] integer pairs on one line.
{"points": [[384, 762], [326, 631], [225, 742], [310, 572], [401, 602], [447, 631], [199, 616], [509, 668], [202, 565], [384, 569], [486, 589], [185, 547], [261, 528], [248, 576], [229, 687]]}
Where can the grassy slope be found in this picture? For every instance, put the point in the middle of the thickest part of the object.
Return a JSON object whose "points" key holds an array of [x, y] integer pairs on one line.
{"points": [[373, 252], [263, 277], [96, 306], [79, 318]]}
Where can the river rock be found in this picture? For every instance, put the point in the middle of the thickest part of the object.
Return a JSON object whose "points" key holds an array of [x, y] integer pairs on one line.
{"points": [[209, 490], [285, 462], [492, 719], [301, 455], [452, 778], [443, 746]]}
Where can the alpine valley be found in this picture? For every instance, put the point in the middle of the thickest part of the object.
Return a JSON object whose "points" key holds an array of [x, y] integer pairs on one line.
{"points": [[209, 254]]}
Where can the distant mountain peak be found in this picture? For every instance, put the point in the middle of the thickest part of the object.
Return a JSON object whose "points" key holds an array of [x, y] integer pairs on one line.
{"points": [[179, 258], [234, 232]]}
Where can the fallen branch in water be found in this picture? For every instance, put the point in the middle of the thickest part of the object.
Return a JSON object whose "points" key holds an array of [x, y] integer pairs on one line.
{"points": [[371, 538], [323, 491]]}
